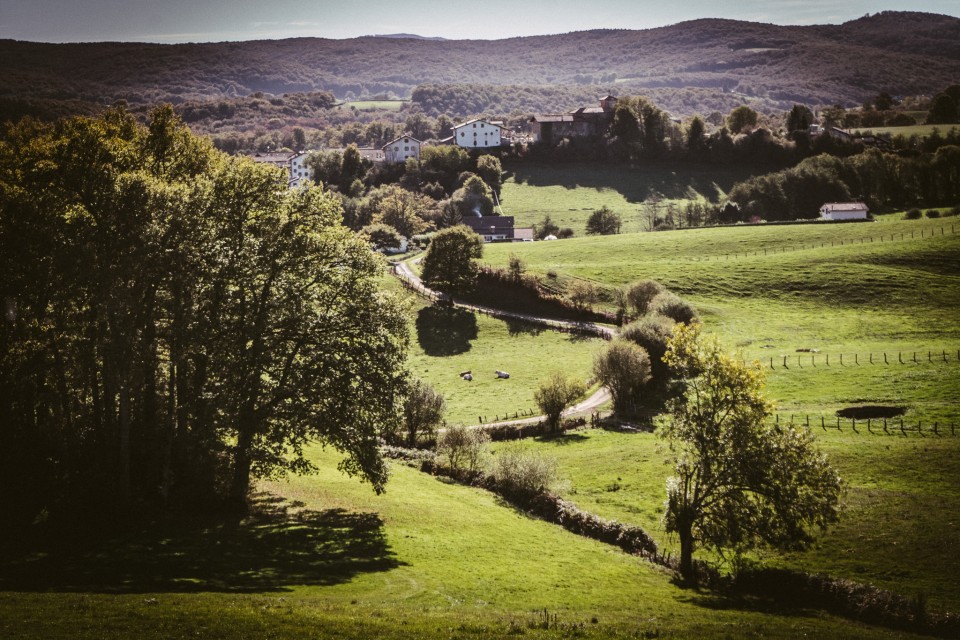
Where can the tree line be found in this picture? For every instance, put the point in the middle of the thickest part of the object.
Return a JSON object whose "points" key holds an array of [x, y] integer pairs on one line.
{"points": [[176, 322]]}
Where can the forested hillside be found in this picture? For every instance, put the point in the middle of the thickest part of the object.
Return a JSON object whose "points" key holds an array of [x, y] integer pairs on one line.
{"points": [[699, 65]]}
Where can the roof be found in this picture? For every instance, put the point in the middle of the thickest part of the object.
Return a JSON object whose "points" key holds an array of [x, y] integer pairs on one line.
{"points": [[401, 138], [552, 118], [608, 97], [844, 206], [273, 157], [463, 124]]}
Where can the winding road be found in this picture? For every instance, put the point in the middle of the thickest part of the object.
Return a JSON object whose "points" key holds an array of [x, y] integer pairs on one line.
{"points": [[403, 271]]}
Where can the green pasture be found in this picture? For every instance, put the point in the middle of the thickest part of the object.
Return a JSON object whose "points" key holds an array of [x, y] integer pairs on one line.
{"points": [[376, 105], [330, 559], [446, 342], [920, 130], [569, 193], [899, 528]]}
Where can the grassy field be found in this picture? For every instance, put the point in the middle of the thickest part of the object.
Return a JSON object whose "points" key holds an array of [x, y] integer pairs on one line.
{"points": [[920, 130], [444, 343], [333, 560], [569, 193], [891, 287], [896, 296], [898, 531], [327, 558], [375, 105]]}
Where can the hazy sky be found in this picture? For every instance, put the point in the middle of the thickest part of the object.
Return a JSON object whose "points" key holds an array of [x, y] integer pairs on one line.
{"points": [[217, 20]]}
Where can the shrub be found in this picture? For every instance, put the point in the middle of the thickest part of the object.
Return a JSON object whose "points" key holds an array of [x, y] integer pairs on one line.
{"points": [[519, 470], [565, 233], [462, 449], [555, 394], [624, 369], [933, 213], [913, 214], [672, 306], [640, 294], [651, 333]]}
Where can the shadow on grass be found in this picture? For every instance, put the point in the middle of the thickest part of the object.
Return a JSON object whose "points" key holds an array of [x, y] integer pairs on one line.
{"points": [[562, 438], [522, 327], [723, 602], [278, 545], [445, 331], [635, 184]]}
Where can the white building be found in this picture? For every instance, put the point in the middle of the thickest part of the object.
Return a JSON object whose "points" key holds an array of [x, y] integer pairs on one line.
{"points": [[477, 134], [844, 211], [299, 170], [402, 148], [295, 165]]}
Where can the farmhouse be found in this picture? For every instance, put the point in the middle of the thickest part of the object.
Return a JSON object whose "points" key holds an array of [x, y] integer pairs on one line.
{"points": [[584, 122], [477, 134], [399, 150], [294, 164], [498, 229], [844, 211]]}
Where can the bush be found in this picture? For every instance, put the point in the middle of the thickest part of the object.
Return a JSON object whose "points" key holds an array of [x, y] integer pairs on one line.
{"points": [[672, 306], [640, 294], [462, 449], [933, 213], [651, 333], [913, 214], [519, 470], [624, 369], [565, 233]]}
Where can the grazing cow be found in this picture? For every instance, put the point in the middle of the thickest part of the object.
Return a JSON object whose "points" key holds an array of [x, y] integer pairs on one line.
{"points": [[503, 374], [468, 377]]}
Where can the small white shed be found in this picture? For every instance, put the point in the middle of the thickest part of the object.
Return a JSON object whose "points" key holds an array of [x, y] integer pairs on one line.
{"points": [[844, 211]]}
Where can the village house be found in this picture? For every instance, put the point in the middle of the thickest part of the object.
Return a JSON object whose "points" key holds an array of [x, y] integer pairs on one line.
{"points": [[399, 150], [844, 211], [294, 164], [498, 229], [477, 134], [584, 122]]}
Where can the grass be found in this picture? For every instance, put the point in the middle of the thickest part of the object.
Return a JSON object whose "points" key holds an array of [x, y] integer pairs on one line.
{"points": [[899, 529], [454, 562], [920, 130], [569, 193], [376, 105], [861, 297], [446, 342]]}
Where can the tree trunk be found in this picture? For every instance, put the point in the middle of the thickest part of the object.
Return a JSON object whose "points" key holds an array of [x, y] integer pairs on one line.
{"points": [[686, 552], [240, 486]]}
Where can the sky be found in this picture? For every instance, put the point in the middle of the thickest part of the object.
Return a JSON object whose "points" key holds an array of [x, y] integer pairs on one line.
{"points": [[169, 21]]}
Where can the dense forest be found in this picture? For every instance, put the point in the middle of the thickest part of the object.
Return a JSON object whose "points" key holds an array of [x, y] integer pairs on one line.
{"points": [[770, 66]]}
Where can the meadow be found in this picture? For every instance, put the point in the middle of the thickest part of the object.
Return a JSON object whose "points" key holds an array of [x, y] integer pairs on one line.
{"points": [[333, 560], [375, 105], [569, 193], [325, 557], [919, 130], [446, 342]]}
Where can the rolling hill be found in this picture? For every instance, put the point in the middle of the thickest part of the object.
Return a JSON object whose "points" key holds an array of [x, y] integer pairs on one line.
{"points": [[768, 65]]}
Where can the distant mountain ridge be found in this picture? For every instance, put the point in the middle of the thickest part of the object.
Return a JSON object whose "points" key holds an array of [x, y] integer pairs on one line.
{"points": [[412, 36], [769, 65]]}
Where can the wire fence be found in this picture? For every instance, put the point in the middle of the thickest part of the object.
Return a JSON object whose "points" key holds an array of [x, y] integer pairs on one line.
{"points": [[770, 251], [815, 359], [872, 426]]}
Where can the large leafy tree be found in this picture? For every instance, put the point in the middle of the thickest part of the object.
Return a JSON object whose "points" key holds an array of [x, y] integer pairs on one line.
{"points": [[740, 481], [178, 321], [450, 264]]}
